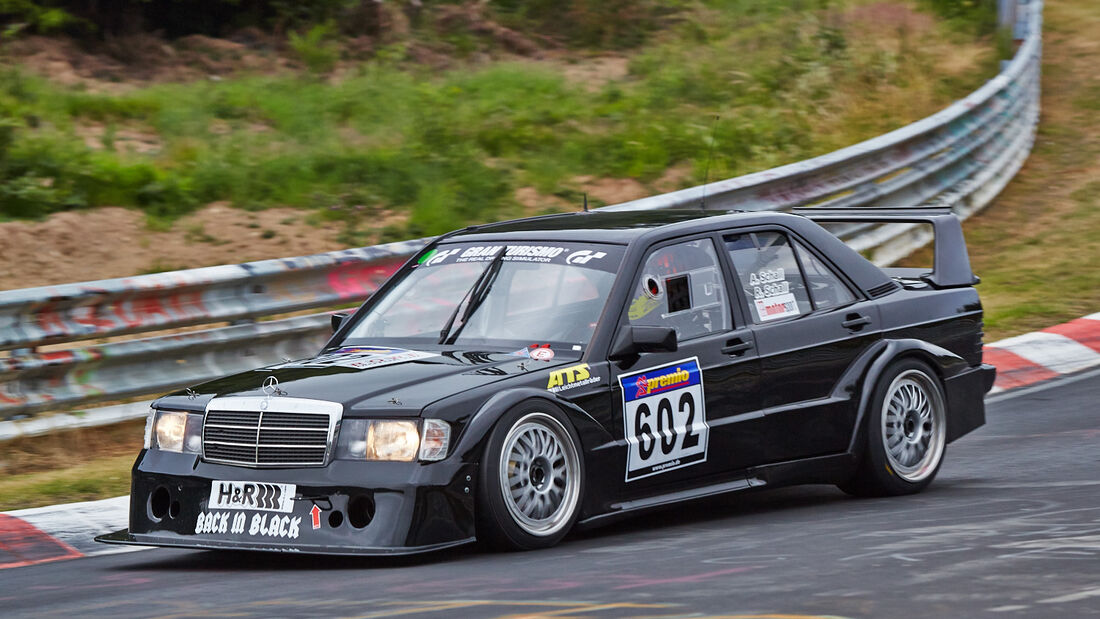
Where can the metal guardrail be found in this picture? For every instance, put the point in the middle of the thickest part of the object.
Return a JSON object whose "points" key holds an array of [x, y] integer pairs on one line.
{"points": [[35, 317], [32, 380], [960, 157]]}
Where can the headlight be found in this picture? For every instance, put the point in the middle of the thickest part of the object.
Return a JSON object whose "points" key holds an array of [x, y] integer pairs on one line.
{"points": [[393, 440], [175, 431]]}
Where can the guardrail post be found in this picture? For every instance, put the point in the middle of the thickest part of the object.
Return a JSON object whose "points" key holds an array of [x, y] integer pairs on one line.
{"points": [[1006, 14]]}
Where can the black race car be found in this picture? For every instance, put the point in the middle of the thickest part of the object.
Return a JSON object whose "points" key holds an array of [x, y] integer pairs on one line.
{"points": [[516, 379]]}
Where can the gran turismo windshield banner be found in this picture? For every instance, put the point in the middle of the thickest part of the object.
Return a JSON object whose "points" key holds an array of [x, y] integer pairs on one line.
{"points": [[585, 255]]}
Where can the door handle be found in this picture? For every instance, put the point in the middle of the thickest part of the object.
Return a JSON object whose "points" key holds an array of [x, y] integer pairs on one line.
{"points": [[855, 322], [736, 347]]}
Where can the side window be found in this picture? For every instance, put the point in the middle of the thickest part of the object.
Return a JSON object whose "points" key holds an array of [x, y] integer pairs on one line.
{"points": [[681, 287], [826, 288], [769, 275]]}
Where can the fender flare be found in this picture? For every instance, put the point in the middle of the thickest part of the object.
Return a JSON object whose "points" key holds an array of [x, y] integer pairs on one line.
{"points": [[863, 375], [480, 425]]}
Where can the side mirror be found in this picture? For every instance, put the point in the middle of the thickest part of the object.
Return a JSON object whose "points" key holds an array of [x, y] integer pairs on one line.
{"points": [[338, 321], [633, 339]]}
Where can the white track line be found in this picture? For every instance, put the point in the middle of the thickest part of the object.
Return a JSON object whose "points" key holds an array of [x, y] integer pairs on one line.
{"points": [[1055, 352], [77, 524]]}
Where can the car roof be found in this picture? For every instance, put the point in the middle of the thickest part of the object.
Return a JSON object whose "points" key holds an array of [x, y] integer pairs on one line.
{"points": [[620, 227], [626, 227]]}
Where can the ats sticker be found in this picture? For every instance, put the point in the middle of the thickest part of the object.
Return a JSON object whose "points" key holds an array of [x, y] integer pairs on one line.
{"points": [[664, 418], [360, 358], [570, 377], [257, 496]]}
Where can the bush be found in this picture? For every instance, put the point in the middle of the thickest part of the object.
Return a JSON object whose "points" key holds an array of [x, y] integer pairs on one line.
{"points": [[316, 49], [38, 17], [173, 17], [588, 23], [975, 17]]}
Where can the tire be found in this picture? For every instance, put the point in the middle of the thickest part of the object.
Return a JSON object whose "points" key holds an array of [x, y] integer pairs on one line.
{"points": [[531, 479], [905, 433]]}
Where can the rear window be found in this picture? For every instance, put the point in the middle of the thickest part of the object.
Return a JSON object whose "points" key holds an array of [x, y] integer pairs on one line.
{"points": [[768, 273]]}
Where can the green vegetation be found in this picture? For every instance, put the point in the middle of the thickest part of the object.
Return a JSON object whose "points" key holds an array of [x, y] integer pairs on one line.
{"points": [[34, 16], [316, 49], [788, 79], [73, 465], [98, 479], [974, 16]]}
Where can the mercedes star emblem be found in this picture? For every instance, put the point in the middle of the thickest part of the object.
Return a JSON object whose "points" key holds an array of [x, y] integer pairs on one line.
{"points": [[271, 386]]}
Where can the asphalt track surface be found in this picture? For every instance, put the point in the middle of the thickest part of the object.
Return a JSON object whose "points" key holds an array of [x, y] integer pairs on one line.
{"points": [[1011, 527]]}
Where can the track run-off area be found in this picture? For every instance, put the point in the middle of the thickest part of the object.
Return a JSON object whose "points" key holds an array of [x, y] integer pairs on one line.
{"points": [[1011, 527]]}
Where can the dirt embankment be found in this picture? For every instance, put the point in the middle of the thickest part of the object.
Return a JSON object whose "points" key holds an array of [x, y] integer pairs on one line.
{"points": [[116, 242]]}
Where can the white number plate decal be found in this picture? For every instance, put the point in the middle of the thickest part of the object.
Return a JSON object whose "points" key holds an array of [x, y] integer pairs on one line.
{"points": [[664, 417], [260, 496]]}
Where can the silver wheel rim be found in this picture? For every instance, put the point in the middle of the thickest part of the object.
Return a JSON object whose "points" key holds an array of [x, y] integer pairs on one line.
{"points": [[913, 425], [539, 470]]}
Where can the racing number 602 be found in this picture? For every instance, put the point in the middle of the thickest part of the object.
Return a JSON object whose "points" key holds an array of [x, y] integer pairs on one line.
{"points": [[666, 426]]}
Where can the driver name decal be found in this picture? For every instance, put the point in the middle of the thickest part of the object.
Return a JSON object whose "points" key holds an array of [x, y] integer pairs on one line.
{"points": [[664, 418], [772, 295]]}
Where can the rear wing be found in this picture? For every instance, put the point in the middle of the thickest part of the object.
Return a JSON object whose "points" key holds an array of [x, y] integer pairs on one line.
{"points": [[951, 262]]}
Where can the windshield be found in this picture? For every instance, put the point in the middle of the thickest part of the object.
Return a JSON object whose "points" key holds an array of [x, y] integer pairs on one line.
{"points": [[497, 295]]}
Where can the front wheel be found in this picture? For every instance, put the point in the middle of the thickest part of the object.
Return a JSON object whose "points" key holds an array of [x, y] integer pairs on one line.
{"points": [[906, 433], [531, 479]]}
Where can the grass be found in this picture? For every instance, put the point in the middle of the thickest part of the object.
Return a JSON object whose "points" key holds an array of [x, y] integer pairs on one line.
{"points": [[789, 80], [63, 467], [98, 479]]}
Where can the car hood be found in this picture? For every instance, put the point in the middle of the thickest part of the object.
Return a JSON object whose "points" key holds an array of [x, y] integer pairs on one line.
{"points": [[369, 380]]}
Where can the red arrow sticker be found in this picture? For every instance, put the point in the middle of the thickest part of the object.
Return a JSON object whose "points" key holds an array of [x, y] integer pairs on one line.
{"points": [[316, 513]]}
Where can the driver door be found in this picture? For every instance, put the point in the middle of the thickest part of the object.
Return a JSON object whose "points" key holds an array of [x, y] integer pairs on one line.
{"points": [[689, 417]]}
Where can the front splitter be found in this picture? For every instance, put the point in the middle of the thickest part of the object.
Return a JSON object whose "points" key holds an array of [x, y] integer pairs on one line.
{"points": [[124, 537]]}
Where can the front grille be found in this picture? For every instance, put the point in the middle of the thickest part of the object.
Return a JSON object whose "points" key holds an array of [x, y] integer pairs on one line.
{"points": [[260, 438]]}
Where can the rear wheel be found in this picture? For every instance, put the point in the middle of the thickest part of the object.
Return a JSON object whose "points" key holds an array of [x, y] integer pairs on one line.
{"points": [[906, 433], [531, 479]]}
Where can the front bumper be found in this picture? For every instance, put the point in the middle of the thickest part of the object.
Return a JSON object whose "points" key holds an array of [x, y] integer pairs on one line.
{"points": [[365, 508], [124, 537]]}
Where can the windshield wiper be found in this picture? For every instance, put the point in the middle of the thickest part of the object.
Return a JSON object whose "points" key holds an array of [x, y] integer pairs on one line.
{"points": [[476, 295]]}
